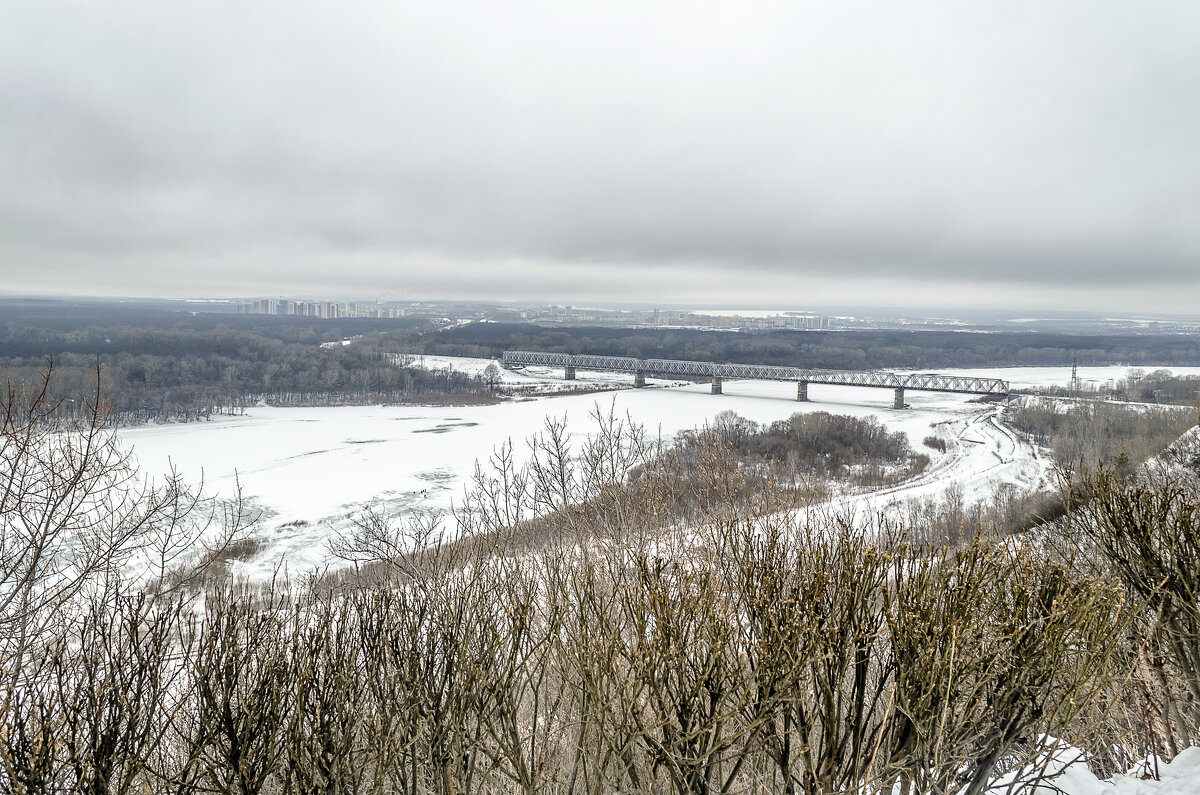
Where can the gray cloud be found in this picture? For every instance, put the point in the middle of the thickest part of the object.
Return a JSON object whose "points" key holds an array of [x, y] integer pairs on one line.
{"points": [[932, 148]]}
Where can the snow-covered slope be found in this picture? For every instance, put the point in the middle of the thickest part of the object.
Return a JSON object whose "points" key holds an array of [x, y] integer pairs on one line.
{"points": [[1180, 776], [982, 453]]}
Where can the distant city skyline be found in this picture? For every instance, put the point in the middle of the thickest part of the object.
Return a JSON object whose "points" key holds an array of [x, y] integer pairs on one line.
{"points": [[963, 314], [933, 154]]}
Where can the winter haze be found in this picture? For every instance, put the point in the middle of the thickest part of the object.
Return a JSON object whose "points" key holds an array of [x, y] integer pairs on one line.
{"points": [[930, 153]]}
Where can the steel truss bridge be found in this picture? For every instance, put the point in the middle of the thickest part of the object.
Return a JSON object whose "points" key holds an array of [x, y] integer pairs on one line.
{"points": [[763, 372]]}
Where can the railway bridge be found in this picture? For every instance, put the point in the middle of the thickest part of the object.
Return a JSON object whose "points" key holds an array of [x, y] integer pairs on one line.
{"points": [[802, 377]]}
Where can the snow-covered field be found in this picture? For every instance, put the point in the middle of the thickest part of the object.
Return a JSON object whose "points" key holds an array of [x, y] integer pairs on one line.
{"points": [[311, 470], [538, 380], [1089, 377]]}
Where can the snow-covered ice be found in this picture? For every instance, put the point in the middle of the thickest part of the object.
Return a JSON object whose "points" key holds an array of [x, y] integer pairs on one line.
{"points": [[310, 470]]}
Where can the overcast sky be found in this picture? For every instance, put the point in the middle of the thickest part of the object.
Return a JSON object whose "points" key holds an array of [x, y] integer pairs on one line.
{"points": [[786, 154]]}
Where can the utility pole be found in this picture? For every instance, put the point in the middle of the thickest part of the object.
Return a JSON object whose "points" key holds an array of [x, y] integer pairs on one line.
{"points": [[1074, 374]]}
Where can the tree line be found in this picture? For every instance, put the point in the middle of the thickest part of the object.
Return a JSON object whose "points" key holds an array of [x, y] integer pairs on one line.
{"points": [[163, 364], [224, 371], [1158, 386], [844, 350], [1083, 432], [811, 446]]}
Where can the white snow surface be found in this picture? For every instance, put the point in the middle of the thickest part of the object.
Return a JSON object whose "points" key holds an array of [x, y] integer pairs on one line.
{"points": [[1089, 377], [538, 380], [310, 471], [1180, 776]]}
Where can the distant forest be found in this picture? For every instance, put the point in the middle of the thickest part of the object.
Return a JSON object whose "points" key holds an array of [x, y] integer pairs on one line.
{"points": [[848, 350], [160, 363]]}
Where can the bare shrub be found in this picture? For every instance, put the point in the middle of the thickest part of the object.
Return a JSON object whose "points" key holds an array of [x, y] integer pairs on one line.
{"points": [[993, 649], [1147, 534], [611, 617], [1090, 432]]}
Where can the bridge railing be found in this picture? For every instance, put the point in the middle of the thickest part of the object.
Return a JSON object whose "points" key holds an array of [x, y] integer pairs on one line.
{"points": [[928, 382]]}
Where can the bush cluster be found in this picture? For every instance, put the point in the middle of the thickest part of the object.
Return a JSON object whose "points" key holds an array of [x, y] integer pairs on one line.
{"points": [[786, 662], [1086, 432], [814, 445], [593, 620]]}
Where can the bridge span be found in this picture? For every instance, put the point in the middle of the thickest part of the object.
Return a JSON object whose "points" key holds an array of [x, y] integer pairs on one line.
{"points": [[640, 368]]}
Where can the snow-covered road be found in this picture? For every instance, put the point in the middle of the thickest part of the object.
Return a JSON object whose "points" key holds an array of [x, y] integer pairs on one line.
{"points": [[982, 453]]}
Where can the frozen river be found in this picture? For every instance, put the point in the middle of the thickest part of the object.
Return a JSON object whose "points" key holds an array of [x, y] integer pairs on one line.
{"points": [[310, 470]]}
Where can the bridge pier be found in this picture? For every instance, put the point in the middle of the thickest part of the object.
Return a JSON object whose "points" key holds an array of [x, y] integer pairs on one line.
{"points": [[898, 403], [639, 379], [569, 373], [716, 385], [802, 392]]}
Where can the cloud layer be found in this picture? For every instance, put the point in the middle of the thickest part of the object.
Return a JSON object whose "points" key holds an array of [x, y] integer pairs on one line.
{"points": [[927, 152]]}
